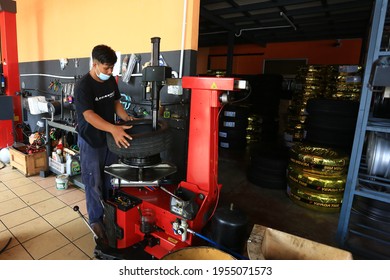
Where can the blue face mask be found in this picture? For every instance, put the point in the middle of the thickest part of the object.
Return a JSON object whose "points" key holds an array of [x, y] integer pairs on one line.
{"points": [[102, 76]]}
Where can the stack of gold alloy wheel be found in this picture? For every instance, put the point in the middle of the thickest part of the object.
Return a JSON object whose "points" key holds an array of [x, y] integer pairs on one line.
{"points": [[344, 82], [310, 83], [320, 81], [254, 128], [316, 177]]}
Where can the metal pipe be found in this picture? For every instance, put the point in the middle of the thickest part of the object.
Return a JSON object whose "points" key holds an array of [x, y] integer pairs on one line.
{"points": [[183, 33], [288, 20], [155, 50], [270, 27], [261, 28], [155, 87], [170, 193]]}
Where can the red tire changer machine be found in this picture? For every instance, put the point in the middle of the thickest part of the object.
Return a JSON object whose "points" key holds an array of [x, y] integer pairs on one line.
{"points": [[159, 221]]}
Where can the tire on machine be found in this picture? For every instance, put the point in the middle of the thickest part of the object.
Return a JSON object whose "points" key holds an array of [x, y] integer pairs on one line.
{"points": [[146, 141]]}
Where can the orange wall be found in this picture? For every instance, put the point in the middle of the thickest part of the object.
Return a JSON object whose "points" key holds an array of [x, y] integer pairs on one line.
{"points": [[52, 29], [316, 52]]}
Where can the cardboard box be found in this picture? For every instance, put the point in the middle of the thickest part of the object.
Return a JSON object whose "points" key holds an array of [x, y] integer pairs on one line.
{"points": [[270, 244], [28, 164]]}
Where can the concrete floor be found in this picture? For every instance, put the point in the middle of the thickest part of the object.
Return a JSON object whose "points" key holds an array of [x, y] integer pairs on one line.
{"points": [[270, 207]]}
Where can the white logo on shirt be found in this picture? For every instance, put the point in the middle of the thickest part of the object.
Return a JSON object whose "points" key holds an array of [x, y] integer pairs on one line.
{"points": [[110, 95]]}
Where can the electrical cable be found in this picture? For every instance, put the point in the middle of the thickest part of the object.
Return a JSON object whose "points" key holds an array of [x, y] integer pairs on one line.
{"points": [[216, 179], [223, 248], [245, 97], [216, 120]]}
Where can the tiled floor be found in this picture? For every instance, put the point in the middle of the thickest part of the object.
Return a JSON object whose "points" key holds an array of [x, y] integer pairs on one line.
{"points": [[40, 219]]}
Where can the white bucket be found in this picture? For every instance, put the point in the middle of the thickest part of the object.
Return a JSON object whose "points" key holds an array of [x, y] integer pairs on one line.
{"points": [[62, 181]]}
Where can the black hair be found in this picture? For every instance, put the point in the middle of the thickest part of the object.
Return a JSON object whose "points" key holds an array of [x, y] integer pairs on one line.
{"points": [[104, 54]]}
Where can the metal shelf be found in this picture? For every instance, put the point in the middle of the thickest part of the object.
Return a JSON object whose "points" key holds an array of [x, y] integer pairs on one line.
{"points": [[61, 125], [75, 179], [379, 125], [384, 53], [352, 234]]}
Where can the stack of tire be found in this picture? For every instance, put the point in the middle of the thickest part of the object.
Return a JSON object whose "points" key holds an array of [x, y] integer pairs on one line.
{"points": [[233, 123], [253, 131], [372, 214], [311, 82], [344, 82], [316, 177], [265, 100], [340, 82], [331, 122], [268, 165]]}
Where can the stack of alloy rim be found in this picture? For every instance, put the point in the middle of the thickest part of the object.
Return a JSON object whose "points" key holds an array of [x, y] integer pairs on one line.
{"points": [[378, 154], [316, 177]]}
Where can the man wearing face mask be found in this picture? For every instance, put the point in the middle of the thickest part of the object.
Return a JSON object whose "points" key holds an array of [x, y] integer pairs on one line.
{"points": [[97, 100]]}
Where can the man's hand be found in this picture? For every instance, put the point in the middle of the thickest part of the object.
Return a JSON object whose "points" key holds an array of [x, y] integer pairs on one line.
{"points": [[129, 118], [121, 138]]}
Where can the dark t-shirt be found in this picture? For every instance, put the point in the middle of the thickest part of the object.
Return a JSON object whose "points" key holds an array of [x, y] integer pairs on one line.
{"points": [[99, 97]]}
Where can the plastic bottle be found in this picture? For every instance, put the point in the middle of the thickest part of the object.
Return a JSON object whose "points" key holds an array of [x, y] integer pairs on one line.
{"points": [[75, 166], [68, 165]]}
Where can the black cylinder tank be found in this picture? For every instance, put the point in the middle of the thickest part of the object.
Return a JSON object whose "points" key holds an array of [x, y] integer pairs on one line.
{"points": [[229, 228]]}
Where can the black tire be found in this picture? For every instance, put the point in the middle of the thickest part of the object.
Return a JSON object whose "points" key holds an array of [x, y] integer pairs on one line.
{"points": [[332, 107], [331, 122], [342, 139], [233, 123], [232, 134], [266, 181], [266, 93], [232, 111], [268, 170], [268, 166], [146, 141], [276, 159], [372, 213], [233, 144]]}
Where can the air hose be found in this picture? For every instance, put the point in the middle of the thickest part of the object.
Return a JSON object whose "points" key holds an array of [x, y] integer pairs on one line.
{"points": [[219, 246]]}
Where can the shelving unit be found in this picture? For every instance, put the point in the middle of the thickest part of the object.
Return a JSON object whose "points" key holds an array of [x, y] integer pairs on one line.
{"points": [[76, 179], [364, 233]]}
